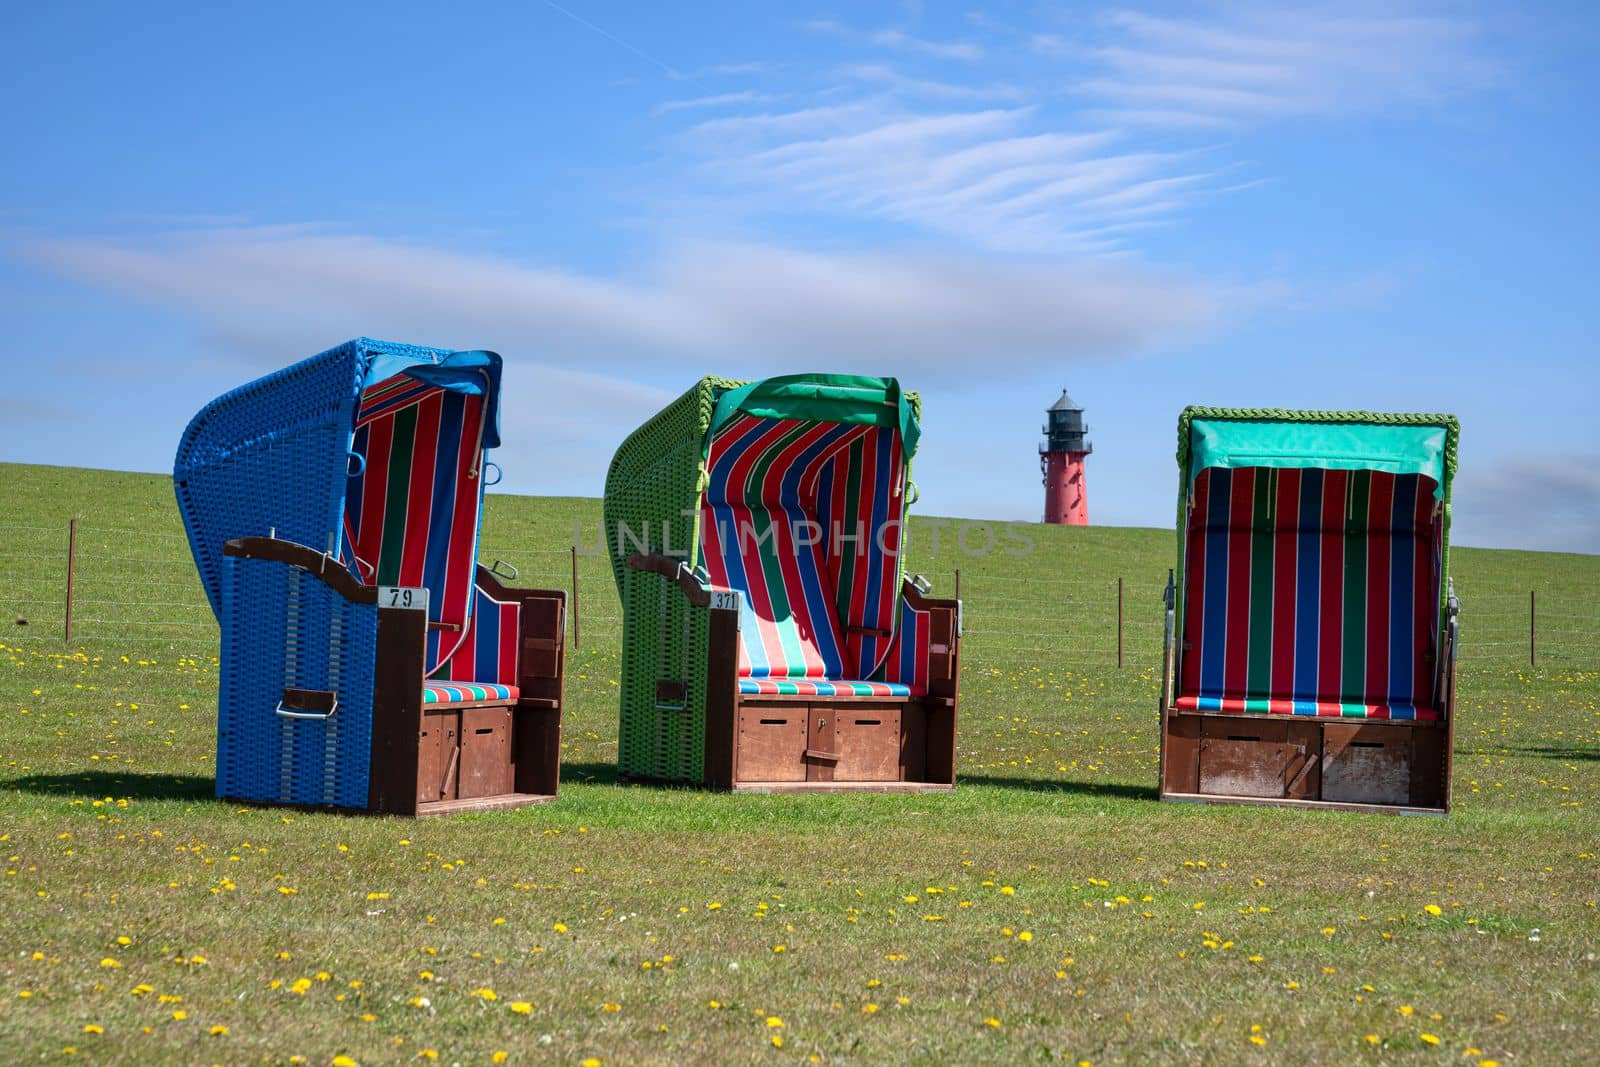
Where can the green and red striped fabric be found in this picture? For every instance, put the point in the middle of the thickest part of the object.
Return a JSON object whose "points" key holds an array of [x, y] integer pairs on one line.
{"points": [[412, 513], [804, 520], [1311, 592]]}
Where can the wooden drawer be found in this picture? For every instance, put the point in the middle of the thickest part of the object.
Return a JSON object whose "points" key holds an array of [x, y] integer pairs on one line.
{"points": [[486, 768], [772, 744], [1367, 763], [868, 743], [438, 755], [1251, 757]]}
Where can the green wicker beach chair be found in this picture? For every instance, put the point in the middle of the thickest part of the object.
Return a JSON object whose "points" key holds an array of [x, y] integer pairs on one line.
{"points": [[1311, 631], [770, 639]]}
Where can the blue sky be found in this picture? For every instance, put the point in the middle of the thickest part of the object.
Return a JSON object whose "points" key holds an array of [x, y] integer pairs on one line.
{"points": [[1386, 206]]}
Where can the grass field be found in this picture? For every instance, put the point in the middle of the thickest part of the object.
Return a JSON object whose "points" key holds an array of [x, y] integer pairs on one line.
{"points": [[1048, 910]]}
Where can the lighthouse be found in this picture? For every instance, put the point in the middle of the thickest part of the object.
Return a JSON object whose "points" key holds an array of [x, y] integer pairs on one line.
{"points": [[1066, 498]]}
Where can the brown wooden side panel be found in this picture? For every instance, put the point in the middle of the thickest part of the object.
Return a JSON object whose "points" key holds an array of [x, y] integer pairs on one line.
{"points": [[541, 660], [486, 768], [536, 750], [1428, 756], [397, 711], [772, 744], [438, 756], [1305, 766], [722, 697], [913, 743], [869, 744], [1366, 763], [939, 754], [822, 745], [1180, 754]]}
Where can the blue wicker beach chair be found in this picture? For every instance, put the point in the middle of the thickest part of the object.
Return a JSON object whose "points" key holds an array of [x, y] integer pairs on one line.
{"points": [[368, 661], [1311, 631]]}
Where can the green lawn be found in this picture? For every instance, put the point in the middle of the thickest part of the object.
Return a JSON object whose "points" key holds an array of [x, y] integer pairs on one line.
{"points": [[1049, 909]]}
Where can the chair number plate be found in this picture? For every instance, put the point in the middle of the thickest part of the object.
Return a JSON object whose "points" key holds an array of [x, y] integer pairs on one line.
{"points": [[724, 600], [403, 596]]}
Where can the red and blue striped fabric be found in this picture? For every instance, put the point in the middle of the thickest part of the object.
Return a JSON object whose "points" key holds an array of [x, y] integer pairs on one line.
{"points": [[802, 518], [908, 661], [1311, 592], [411, 515], [489, 651]]}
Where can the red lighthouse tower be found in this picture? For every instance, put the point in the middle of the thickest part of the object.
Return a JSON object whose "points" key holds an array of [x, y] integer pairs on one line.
{"points": [[1066, 497]]}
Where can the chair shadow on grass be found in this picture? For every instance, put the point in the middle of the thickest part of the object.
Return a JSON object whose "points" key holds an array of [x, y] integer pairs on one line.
{"points": [[606, 774], [589, 774], [1049, 785], [119, 785], [1555, 752]]}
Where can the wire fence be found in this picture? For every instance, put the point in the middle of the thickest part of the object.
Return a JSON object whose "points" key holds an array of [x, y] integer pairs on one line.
{"points": [[87, 585]]}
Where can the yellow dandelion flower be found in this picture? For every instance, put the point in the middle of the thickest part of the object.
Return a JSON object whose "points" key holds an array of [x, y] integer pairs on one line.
{"points": [[774, 1023], [992, 1022], [521, 1007], [93, 1028], [219, 1031], [1433, 909], [1429, 1039]]}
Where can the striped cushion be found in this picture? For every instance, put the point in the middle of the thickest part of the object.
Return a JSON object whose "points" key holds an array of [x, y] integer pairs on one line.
{"points": [[795, 513], [1311, 592], [489, 650], [1336, 709], [463, 692], [411, 515], [818, 688]]}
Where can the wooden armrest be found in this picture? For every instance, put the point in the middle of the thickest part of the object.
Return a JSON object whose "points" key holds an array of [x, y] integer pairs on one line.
{"points": [[875, 631], [673, 569], [325, 567]]}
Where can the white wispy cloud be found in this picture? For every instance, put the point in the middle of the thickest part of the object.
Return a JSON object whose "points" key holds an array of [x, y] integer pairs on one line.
{"points": [[992, 151], [759, 308], [890, 77], [745, 96], [988, 176], [1264, 63], [897, 40]]}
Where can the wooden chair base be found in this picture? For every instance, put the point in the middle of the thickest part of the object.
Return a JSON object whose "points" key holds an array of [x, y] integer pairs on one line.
{"points": [[1301, 761], [834, 744]]}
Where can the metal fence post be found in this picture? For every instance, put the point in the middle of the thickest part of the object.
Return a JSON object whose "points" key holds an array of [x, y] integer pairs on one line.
{"points": [[1119, 623], [576, 643], [72, 561]]}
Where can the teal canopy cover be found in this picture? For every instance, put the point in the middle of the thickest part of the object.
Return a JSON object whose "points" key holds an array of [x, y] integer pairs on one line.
{"points": [[1328, 443], [847, 398]]}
